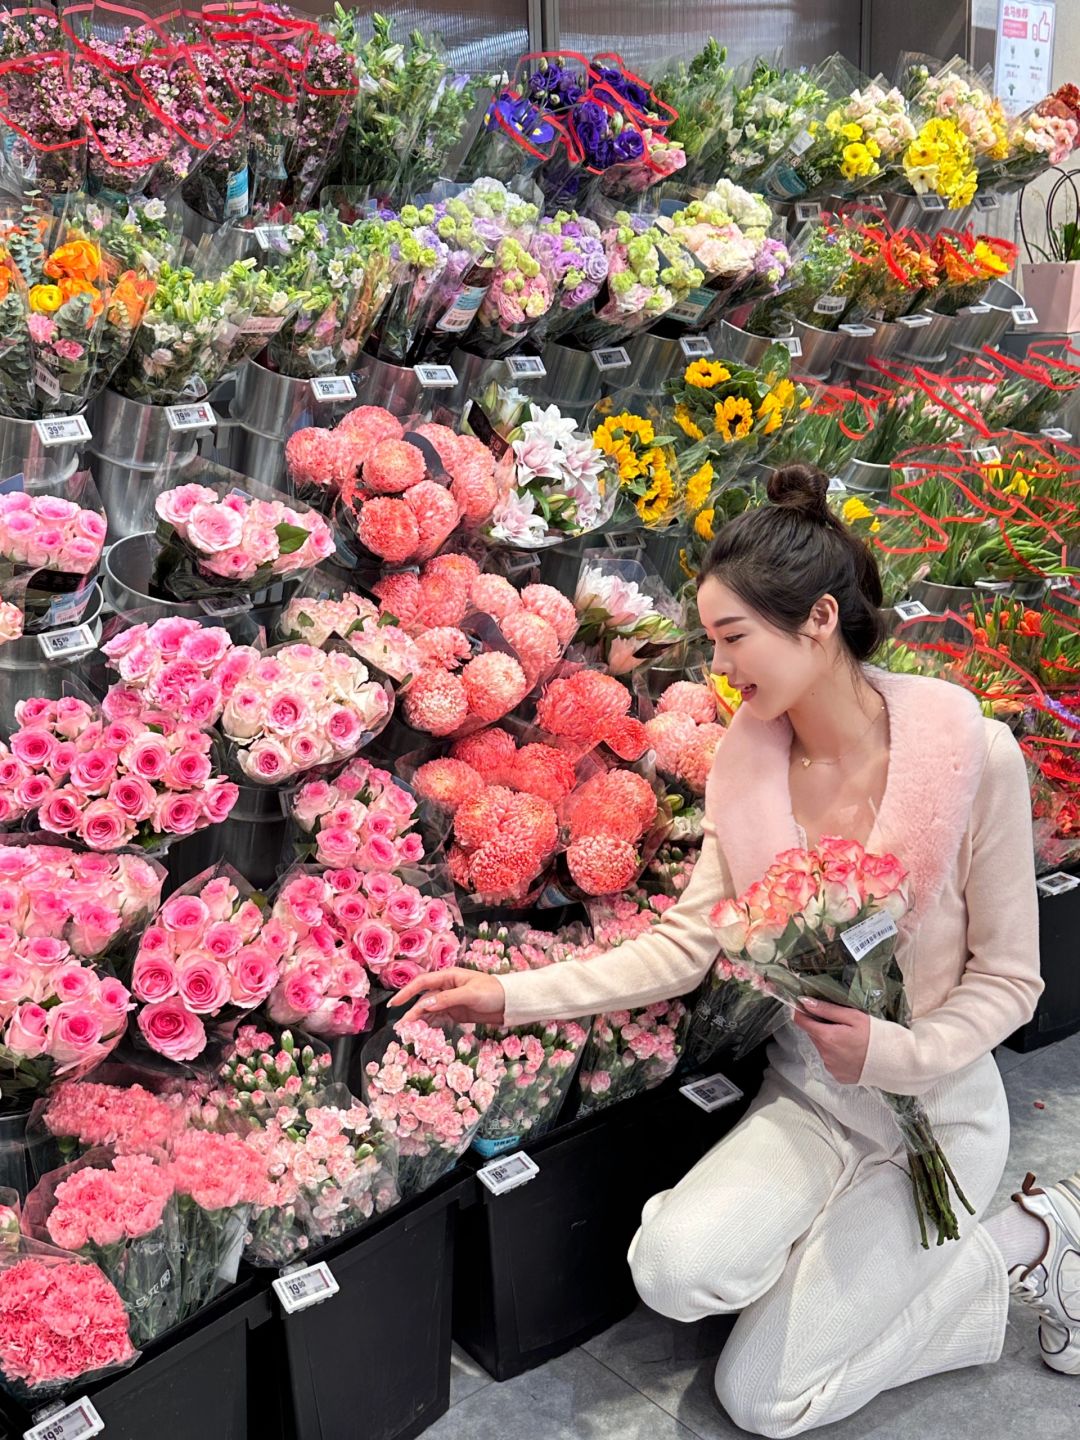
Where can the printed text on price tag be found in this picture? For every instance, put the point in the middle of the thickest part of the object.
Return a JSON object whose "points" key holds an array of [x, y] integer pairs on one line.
{"points": [[868, 934], [190, 417], [613, 358], [76, 1421], [333, 387], [526, 367], [79, 640], [1057, 883], [1024, 316], [436, 377], [300, 1289], [508, 1172], [712, 1093], [696, 346], [930, 201], [62, 429]]}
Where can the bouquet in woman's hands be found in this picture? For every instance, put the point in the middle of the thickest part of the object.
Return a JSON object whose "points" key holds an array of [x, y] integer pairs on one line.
{"points": [[822, 924]]}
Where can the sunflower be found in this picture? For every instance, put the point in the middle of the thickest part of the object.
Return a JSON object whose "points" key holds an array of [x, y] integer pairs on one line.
{"points": [[653, 505], [699, 485], [735, 409], [706, 373], [687, 424], [703, 524]]}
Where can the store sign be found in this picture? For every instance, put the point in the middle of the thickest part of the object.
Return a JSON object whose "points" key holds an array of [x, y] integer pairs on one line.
{"points": [[66, 644], [613, 358], [436, 377], [712, 1093], [526, 367], [508, 1172], [696, 347], [332, 387], [190, 417], [300, 1289], [76, 1421], [62, 429], [1024, 53]]}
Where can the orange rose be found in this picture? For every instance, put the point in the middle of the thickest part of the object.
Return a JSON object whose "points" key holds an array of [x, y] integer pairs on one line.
{"points": [[77, 260], [132, 295], [70, 288]]}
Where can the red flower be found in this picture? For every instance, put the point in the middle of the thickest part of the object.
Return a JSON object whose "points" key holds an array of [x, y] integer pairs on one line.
{"points": [[492, 753], [544, 771], [399, 595], [581, 705], [626, 736]]}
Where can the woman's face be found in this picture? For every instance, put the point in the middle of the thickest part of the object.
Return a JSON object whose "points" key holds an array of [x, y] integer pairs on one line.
{"points": [[773, 670]]}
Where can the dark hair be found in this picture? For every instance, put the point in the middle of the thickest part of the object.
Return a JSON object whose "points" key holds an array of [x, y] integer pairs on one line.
{"points": [[782, 558]]}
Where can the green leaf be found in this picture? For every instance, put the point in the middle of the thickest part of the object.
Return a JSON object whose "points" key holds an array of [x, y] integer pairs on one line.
{"points": [[290, 538]]}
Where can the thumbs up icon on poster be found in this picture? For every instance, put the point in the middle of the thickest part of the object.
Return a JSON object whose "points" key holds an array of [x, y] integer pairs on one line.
{"points": [[1042, 28]]}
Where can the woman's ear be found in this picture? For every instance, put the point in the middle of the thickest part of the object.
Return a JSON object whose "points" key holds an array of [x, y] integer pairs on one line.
{"points": [[824, 618]]}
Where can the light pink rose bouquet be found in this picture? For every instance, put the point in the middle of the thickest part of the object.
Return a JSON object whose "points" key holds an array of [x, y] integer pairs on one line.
{"points": [[211, 952], [49, 532], [219, 537], [317, 620], [298, 708], [174, 670], [109, 784], [11, 621], [430, 1089], [361, 818]]}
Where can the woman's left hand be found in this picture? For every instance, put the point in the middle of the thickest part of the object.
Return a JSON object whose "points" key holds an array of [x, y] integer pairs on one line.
{"points": [[840, 1034]]}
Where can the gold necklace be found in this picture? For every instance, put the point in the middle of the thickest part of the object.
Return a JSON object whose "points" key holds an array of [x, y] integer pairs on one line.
{"points": [[807, 761]]}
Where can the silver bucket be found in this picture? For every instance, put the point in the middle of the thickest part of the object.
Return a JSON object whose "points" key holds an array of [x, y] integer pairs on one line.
{"points": [[395, 387], [129, 491], [251, 839], [572, 375], [127, 571], [231, 240], [252, 453], [867, 477], [885, 338], [25, 671], [929, 340], [985, 323], [733, 343], [22, 453], [653, 360], [906, 212], [820, 349], [472, 372], [133, 431], [270, 403]]}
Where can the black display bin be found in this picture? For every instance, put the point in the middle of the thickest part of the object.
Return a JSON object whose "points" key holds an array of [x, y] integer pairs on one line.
{"points": [[373, 1362], [1058, 1013], [543, 1267], [197, 1382]]}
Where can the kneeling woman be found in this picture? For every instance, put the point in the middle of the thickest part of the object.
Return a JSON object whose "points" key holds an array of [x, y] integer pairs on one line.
{"points": [[802, 1217]]}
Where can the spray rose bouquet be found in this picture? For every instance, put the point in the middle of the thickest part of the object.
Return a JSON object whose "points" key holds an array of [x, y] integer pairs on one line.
{"points": [[174, 670], [360, 818]]}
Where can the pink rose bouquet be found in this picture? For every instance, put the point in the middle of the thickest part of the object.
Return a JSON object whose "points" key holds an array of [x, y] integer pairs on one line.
{"points": [[215, 538], [50, 532], [430, 1089], [360, 819], [60, 1321], [86, 904], [120, 1213], [298, 708], [315, 621], [12, 621], [173, 670], [109, 784], [209, 953], [823, 923]]}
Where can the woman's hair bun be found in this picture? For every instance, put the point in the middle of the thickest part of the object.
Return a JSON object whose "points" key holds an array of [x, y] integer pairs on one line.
{"points": [[804, 488]]}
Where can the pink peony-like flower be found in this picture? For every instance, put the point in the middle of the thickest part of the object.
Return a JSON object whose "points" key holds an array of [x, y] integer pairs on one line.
{"points": [[579, 706], [393, 466], [686, 697], [494, 684], [475, 491], [447, 782], [494, 595], [437, 702], [389, 529], [602, 864], [370, 424], [437, 514], [669, 733], [696, 757], [554, 607], [535, 641]]}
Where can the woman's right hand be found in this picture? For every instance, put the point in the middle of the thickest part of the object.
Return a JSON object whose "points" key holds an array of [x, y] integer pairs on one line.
{"points": [[461, 995]]}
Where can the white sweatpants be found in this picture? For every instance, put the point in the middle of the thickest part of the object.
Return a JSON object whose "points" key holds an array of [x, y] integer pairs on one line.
{"points": [[803, 1219]]}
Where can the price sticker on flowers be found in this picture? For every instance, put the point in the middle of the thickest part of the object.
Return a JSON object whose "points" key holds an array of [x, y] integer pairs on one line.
{"points": [[333, 387], [301, 1289], [62, 429], [76, 1421], [190, 417], [436, 377]]}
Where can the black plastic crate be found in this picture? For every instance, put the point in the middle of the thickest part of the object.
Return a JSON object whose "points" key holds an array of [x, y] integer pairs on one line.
{"points": [[373, 1361], [1058, 1013], [193, 1383], [542, 1268]]}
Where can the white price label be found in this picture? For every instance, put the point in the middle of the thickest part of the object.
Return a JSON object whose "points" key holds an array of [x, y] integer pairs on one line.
{"points": [[807, 210], [994, 587], [980, 309], [508, 1172], [801, 144], [79, 640], [836, 485], [73, 1422], [1057, 883], [911, 610], [861, 332], [62, 429], [300, 1289], [190, 417], [1055, 432], [986, 202], [1061, 582], [914, 322], [930, 201], [791, 343], [526, 367], [45, 380], [986, 454], [262, 325], [613, 358], [866, 936], [436, 377], [830, 305], [712, 1093], [269, 237], [695, 346], [1024, 316], [332, 387]]}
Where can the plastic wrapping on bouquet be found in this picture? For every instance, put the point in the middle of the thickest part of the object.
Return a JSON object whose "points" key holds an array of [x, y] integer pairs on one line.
{"points": [[26, 670], [820, 349], [735, 343], [23, 452]]}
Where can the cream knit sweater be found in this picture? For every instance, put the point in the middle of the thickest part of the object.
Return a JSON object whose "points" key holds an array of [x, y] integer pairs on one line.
{"points": [[956, 811]]}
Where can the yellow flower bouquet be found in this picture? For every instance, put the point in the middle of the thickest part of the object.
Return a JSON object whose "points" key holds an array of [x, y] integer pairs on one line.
{"points": [[649, 477], [733, 411]]}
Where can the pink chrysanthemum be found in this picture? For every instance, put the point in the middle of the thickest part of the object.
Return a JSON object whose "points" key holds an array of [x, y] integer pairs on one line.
{"points": [[612, 804], [436, 513], [579, 706], [393, 467], [399, 595], [475, 491], [444, 647], [669, 734], [686, 697], [626, 736], [484, 816], [602, 864], [322, 457], [535, 641], [696, 758], [551, 605], [494, 595], [543, 771], [491, 753], [495, 683], [503, 869], [370, 424], [457, 860], [447, 782], [462, 566], [442, 438], [444, 598], [388, 529], [436, 701]]}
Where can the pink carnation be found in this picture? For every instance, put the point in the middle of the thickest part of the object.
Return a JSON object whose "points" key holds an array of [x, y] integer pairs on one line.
{"points": [[437, 702], [393, 466]]}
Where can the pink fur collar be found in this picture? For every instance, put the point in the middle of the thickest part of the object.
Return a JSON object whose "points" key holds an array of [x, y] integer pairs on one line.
{"points": [[936, 756]]}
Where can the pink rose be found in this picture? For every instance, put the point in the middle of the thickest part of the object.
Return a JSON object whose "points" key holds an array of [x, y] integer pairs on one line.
{"points": [[33, 747], [379, 853], [148, 757], [405, 908], [344, 729], [414, 944], [104, 826], [177, 814], [311, 801], [133, 797], [16, 980], [72, 982], [398, 973], [187, 770], [184, 916], [444, 952], [219, 797], [172, 1030], [301, 993], [26, 1031], [254, 975], [267, 761], [206, 645], [214, 528], [205, 984], [153, 979], [286, 714], [335, 846], [75, 1032], [113, 997], [375, 943]]}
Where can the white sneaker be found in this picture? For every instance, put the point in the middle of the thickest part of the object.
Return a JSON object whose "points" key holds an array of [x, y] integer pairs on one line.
{"points": [[1052, 1285]]}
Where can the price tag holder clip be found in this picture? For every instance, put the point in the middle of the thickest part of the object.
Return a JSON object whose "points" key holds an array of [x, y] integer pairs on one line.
{"points": [[65, 644], [526, 367], [436, 377], [1059, 882], [696, 347], [1024, 316], [613, 358], [62, 430], [911, 610]]}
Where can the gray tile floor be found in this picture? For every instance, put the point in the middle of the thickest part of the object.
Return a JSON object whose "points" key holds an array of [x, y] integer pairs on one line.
{"points": [[648, 1378]]}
